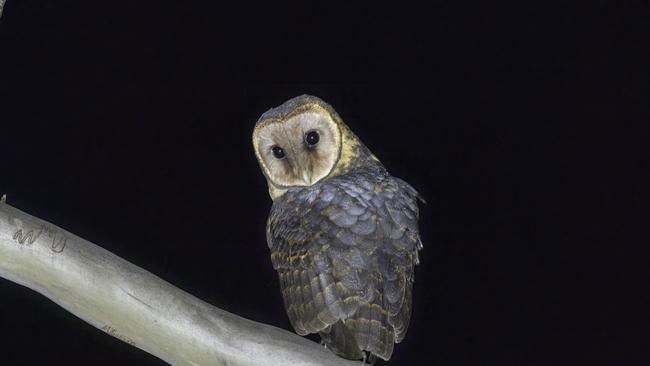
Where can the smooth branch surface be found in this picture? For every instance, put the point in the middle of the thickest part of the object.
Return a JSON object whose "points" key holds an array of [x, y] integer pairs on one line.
{"points": [[137, 307]]}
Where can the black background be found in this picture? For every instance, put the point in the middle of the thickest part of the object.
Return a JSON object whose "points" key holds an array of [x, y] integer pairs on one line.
{"points": [[524, 126]]}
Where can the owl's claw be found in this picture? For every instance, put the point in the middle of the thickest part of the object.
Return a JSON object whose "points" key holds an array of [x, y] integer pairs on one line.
{"points": [[366, 356], [368, 359]]}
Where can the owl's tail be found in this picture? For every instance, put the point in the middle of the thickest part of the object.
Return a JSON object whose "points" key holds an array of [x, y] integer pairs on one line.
{"points": [[371, 330], [366, 330], [341, 341]]}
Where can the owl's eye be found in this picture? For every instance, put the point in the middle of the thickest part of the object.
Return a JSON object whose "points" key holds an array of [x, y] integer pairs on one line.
{"points": [[312, 138], [278, 152]]}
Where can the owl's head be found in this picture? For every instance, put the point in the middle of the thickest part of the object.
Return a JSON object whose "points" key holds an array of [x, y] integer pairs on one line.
{"points": [[302, 142]]}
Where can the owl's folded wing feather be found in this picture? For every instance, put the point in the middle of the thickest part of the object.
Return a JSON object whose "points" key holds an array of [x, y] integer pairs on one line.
{"points": [[346, 251], [318, 290]]}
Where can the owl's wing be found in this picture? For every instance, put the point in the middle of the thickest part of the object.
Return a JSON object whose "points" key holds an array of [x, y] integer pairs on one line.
{"points": [[314, 295], [400, 253], [346, 250]]}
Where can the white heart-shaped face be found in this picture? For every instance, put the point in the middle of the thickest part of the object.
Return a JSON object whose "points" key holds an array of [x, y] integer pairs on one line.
{"points": [[300, 150]]}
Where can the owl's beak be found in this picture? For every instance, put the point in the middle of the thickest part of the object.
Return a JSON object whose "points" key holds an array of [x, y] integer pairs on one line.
{"points": [[306, 177]]}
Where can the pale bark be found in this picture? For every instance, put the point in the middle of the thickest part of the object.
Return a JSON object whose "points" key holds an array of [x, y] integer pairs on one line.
{"points": [[137, 307]]}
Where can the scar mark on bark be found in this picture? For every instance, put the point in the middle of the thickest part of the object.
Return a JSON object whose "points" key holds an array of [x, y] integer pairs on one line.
{"points": [[58, 243], [113, 332], [137, 299], [27, 238]]}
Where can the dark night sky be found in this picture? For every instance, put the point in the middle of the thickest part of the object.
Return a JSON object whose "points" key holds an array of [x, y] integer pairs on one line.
{"points": [[525, 127]]}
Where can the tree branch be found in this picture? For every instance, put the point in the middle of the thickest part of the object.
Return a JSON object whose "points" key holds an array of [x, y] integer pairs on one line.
{"points": [[137, 307]]}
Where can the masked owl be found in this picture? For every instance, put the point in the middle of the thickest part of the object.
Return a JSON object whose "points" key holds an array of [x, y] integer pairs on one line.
{"points": [[342, 231]]}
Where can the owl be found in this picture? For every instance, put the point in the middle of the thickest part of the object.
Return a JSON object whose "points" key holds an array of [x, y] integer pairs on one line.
{"points": [[342, 232]]}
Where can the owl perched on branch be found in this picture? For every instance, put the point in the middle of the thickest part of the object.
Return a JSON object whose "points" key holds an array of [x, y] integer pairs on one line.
{"points": [[342, 231]]}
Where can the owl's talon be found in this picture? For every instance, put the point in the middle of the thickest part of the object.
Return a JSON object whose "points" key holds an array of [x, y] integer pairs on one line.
{"points": [[323, 344], [368, 359]]}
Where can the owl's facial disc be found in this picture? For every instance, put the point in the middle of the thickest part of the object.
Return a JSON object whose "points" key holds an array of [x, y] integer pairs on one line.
{"points": [[300, 150]]}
